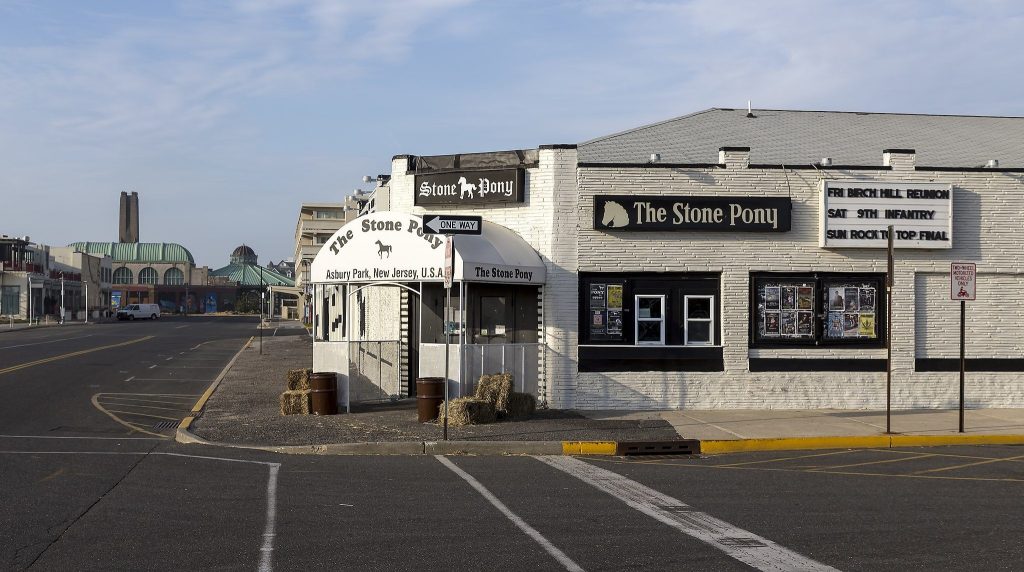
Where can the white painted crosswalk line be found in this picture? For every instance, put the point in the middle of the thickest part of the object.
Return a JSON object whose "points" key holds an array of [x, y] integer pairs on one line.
{"points": [[551, 549], [747, 547]]}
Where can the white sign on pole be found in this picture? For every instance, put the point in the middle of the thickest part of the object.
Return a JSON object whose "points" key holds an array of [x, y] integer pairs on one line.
{"points": [[963, 281], [449, 261]]}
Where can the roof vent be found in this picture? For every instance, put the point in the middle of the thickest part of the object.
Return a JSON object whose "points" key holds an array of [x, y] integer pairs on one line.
{"points": [[992, 164], [750, 112], [655, 157], [825, 162]]}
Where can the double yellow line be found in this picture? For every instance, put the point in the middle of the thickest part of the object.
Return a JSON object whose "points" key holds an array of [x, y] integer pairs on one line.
{"points": [[70, 355]]}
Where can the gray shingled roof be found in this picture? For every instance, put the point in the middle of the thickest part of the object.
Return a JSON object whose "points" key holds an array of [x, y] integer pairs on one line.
{"points": [[802, 137]]}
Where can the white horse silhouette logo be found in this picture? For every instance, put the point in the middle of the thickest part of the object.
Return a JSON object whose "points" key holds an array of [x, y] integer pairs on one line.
{"points": [[615, 216], [465, 188]]}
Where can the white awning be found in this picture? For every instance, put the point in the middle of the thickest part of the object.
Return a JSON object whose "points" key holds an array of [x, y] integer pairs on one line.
{"points": [[392, 247], [497, 255]]}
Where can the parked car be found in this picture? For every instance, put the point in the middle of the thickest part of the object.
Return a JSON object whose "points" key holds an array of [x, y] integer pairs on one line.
{"points": [[141, 311]]}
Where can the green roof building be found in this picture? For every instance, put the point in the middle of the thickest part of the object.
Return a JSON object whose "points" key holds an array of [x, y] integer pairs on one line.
{"points": [[148, 263], [138, 252], [247, 273]]}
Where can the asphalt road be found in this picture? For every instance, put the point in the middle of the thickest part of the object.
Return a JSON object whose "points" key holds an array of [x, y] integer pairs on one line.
{"points": [[91, 483]]}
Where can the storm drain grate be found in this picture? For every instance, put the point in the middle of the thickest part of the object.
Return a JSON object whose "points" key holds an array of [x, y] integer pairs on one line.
{"points": [[166, 425], [741, 542], [678, 447]]}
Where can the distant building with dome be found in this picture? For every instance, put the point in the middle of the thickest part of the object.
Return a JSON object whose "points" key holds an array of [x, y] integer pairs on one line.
{"points": [[164, 273], [244, 271]]}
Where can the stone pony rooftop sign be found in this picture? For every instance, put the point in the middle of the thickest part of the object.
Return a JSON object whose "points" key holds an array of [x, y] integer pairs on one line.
{"points": [[470, 188]]}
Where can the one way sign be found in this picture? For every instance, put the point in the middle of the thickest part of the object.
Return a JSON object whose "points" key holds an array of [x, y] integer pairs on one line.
{"points": [[452, 224]]}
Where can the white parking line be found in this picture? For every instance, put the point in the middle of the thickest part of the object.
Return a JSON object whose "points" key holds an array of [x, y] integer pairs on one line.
{"points": [[266, 548], [130, 378], [551, 549], [171, 379], [197, 367], [152, 366], [66, 437], [747, 547]]}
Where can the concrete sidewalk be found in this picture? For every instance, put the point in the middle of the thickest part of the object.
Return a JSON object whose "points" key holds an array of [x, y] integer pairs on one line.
{"points": [[241, 409]]}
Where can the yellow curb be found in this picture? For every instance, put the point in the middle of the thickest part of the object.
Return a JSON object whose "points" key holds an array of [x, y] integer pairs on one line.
{"points": [[715, 447], [589, 447], [198, 407], [940, 440]]}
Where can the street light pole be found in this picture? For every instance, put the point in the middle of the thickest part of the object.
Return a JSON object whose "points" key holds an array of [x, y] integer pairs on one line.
{"points": [[62, 309], [262, 294], [188, 279]]}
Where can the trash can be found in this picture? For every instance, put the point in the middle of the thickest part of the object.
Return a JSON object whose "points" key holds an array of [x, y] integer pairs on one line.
{"points": [[429, 397], [323, 393]]}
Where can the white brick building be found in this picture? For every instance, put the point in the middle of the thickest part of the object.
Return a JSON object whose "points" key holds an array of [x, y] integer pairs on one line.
{"points": [[744, 292]]}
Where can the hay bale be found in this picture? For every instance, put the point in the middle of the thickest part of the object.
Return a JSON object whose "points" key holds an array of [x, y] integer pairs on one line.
{"points": [[521, 405], [298, 379], [296, 402], [468, 411], [495, 389]]}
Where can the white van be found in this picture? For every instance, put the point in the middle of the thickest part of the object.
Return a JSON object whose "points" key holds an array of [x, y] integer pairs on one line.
{"points": [[143, 311]]}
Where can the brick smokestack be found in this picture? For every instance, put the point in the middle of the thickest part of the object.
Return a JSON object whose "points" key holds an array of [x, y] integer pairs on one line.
{"points": [[128, 220]]}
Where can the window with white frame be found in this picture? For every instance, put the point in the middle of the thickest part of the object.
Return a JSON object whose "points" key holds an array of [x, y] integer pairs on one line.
{"points": [[699, 319], [650, 319]]}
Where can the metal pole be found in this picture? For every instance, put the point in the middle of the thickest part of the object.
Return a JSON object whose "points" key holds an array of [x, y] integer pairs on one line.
{"points": [[87, 300], [261, 310], [888, 333], [62, 308], [963, 362], [448, 341]]}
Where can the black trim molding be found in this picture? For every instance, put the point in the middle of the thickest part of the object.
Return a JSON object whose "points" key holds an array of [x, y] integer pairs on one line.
{"points": [[592, 165], [559, 146], [903, 151], [650, 358], [972, 364], [734, 149], [823, 168], [972, 169], [816, 364]]}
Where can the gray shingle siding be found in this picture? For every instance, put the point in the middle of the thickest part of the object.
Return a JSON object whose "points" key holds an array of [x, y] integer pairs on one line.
{"points": [[803, 137]]}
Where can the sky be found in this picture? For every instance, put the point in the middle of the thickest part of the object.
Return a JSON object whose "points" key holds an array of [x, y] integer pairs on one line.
{"points": [[226, 116]]}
